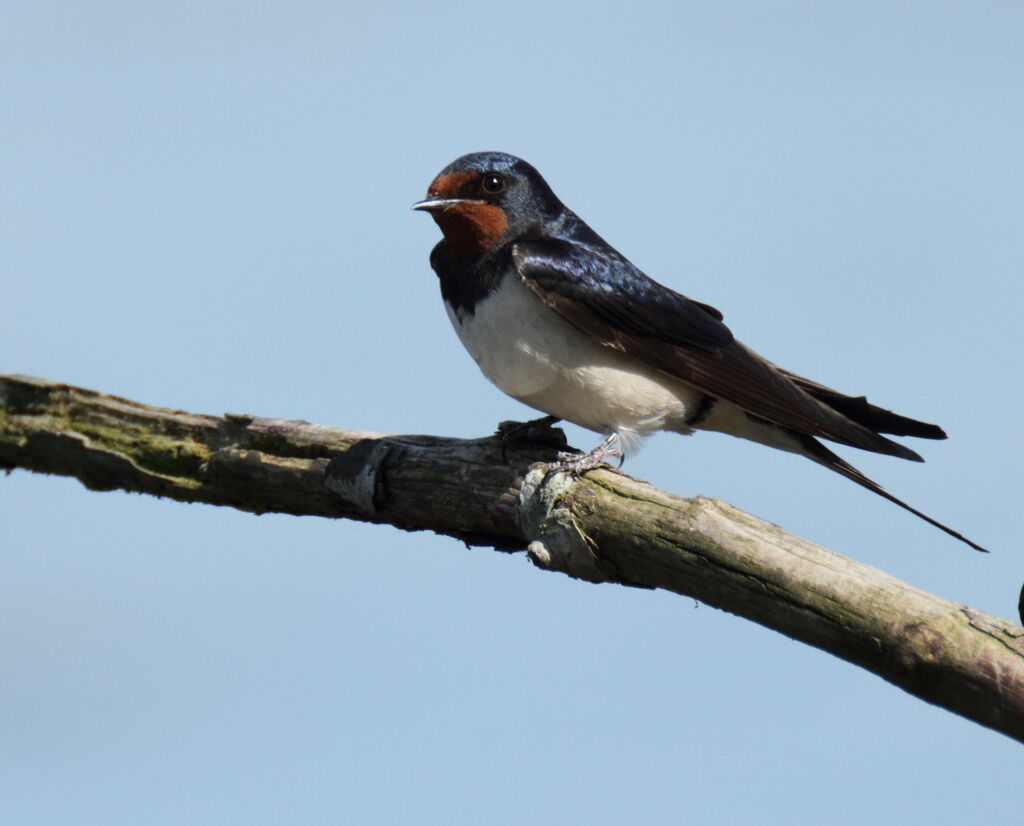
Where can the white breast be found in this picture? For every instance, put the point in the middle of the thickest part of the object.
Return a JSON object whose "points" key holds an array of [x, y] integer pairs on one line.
{"points": [[534, 355]]}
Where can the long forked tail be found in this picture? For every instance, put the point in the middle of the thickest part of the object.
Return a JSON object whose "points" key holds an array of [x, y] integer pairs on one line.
{"points": [[815, 450], [860, 410]]}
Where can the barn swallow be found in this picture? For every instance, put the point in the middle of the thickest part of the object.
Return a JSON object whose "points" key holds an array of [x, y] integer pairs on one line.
{"points": [[558, 319]]}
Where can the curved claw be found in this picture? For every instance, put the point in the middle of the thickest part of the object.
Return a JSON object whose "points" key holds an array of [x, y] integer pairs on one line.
{"points": [[578, 463]]}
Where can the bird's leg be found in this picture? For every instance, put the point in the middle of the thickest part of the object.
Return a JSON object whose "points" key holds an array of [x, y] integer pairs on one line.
{"points": [[577, 463]]}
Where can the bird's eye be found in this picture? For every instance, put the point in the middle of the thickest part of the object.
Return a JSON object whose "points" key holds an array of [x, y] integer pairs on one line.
{"points": [[493, 183]]}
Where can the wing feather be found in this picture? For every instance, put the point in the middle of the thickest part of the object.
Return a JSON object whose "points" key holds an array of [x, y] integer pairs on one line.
{"points": [[608, 298]]}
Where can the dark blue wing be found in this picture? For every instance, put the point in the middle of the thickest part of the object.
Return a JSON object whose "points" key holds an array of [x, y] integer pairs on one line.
{"points": [[606, 297], [615, 292]]}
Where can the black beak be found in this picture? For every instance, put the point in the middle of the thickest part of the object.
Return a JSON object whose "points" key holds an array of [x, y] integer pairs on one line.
{"points": [[440, 204]]}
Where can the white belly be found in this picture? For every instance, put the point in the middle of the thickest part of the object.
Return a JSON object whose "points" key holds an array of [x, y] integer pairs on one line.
{"points": [[535, 356]]}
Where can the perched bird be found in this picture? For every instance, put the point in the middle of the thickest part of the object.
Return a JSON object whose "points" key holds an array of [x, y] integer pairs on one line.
{"points": [[558, 319]]}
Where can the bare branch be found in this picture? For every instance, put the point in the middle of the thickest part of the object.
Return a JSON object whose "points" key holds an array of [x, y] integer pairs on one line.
{"points": [[603, 527]]}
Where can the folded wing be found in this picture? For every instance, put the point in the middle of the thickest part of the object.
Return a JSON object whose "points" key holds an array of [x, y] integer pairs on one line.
{"points": [[608, 298]]}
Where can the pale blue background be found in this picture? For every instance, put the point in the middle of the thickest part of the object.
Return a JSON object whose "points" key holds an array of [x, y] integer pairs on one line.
{"points": [[206, 206]]}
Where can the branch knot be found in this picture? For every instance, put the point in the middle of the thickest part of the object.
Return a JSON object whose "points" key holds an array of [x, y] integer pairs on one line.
{"points": [[556, 541]]}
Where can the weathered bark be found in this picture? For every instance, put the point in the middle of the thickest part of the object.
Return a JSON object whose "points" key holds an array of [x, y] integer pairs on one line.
{"points": [[602, 527]]}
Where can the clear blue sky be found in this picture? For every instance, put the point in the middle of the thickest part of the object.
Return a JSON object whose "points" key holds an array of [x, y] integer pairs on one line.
{"points": [[206, 206]]}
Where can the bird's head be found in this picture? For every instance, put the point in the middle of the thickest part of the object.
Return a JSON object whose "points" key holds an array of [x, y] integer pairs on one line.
{"points": [[486, 199]]}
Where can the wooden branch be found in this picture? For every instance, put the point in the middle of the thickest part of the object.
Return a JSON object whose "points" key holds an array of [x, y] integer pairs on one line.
{"points": [[602, 527]]}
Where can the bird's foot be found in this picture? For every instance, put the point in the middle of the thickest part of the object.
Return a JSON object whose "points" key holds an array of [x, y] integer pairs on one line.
{"points": [[578, 463]]}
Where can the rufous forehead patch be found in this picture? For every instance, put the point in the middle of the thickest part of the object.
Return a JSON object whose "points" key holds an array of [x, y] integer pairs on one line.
{"points": [[448, 186]]}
